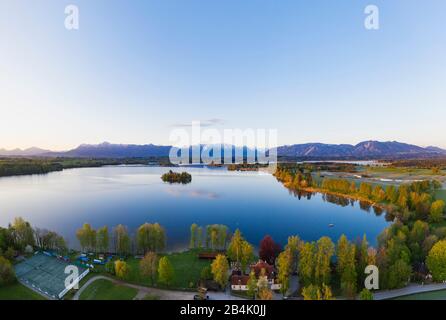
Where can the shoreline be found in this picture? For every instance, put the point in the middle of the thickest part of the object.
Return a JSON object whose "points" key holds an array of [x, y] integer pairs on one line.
{"points": [[341, 195]]}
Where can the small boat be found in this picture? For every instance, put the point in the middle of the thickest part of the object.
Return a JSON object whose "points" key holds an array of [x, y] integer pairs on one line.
{"points": [[331, 225]]}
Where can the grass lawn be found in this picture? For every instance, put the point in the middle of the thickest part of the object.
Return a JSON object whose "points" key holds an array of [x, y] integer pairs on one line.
{"points": [[434, 295], [105, 290], [151, 297], [187, 268], [18, 291], [441, 194]]}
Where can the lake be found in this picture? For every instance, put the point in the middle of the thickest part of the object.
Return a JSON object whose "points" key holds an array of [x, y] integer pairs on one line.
{"points": [[131, 195]]}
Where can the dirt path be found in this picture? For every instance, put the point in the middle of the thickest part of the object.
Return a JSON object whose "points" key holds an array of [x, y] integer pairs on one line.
{"points": [[142, 291]]}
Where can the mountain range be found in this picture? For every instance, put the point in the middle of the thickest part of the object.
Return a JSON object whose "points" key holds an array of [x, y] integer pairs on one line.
{"points": [[362, 150]]}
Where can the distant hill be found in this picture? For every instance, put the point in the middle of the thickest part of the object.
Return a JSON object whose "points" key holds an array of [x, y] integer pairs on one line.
{"points": [[108, 150], [363, 150], [30, 152]]}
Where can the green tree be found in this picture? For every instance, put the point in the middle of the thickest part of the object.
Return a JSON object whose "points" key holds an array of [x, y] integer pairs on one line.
{"points": [[247, 255], [103, 239], [122, 240], [365, 295], [87, 237], [199, 237], [150, 237], [165, 271], [220, 268], [193, 236], [148, 266], [307, 262], [324, 253], [222, 236], [236, 246], [399, 274], [206, 273], [314, 292], [252, 284], [110, 267], [22, 233], [293, 245], [436, 261], [437, 211], [7, 274], [346, 258], [284, 265]]}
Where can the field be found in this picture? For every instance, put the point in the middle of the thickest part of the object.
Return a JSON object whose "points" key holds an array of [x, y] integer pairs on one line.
{"points": [[187, 268], [441, 194], [18, 291], [106, 290], [434, 295]]}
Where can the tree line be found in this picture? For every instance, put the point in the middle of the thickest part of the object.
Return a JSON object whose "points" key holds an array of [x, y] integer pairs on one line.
{"points": [[149, 238]]}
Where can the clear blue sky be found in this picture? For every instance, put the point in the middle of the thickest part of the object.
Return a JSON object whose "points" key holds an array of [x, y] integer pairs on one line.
{"points": [[136, 68]]}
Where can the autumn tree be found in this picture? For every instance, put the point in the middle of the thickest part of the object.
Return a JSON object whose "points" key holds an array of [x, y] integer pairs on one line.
{"points": [[436, 261], [307, 261], [151, 237], [165, 271], [199, 237], [122, 269], [437, 211], [121, 240], [346, 254], [235, 246], [193, 236], [148, 266], [293, 245], [284, 265], [324, 253], [7, 274], [87, 237], [314, 292], [220, 268], [265, 294], [252, 284], [22, 233], [247, 255], [103, 239], [268, 250]]}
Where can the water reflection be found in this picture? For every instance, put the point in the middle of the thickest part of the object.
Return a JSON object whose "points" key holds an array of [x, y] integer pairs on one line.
{"points": [[340, 201]]}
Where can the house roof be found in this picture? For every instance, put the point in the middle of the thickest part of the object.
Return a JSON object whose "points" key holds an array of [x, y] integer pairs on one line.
{"points": [[239, 280], [257, 268]]}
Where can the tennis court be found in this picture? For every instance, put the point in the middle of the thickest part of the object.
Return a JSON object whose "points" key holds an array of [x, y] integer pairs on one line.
{"points": [[46, 274]]}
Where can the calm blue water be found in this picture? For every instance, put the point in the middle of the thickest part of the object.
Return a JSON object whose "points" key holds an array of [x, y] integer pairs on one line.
{"points": [[255, 203]]}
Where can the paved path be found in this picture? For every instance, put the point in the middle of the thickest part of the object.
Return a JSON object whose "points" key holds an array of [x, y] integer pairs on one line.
{"points": [[142, 291], [410, 289]]}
